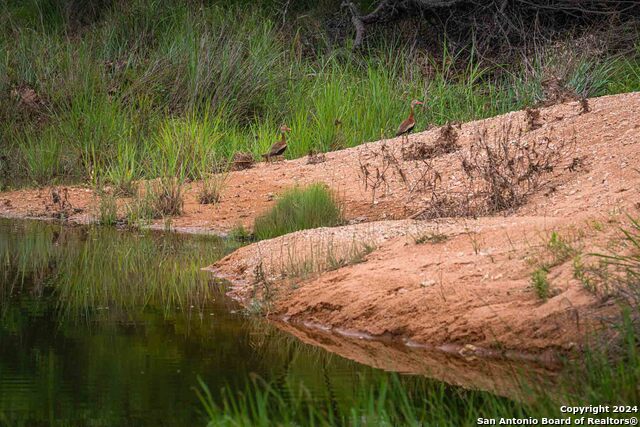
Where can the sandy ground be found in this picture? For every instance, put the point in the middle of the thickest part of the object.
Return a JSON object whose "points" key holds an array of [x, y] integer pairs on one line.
{"points": [[470, 292]]}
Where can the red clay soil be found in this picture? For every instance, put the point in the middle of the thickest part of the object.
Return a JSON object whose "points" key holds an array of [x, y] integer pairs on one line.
{"points": [[472, 291]]}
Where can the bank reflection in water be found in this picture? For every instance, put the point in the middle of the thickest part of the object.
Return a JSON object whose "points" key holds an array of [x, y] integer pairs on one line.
{"points": [[106, 327]]}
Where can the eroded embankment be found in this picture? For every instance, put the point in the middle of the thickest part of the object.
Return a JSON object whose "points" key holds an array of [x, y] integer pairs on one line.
{"points": [[470, 286], [470, 281]]}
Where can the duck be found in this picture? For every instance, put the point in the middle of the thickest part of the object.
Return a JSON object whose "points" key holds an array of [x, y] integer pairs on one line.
{"points": [[278, 148]]}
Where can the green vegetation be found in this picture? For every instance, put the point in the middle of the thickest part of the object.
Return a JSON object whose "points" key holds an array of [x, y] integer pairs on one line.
{"points": [[80, 258], [300, 209], [615, 273], [627, 259], [160, 198], [108, 209], [240, 234], [406, 401], [556, 251], [560, 249], [314, 256], [540, 282], [163, 88], [211, 188]]}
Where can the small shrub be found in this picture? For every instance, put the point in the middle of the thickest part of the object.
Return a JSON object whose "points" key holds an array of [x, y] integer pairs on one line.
{"points": [[167, 199], [541, 283], [160, 199], [560, 249], [211, 188], [503, 170], [300, 209]]}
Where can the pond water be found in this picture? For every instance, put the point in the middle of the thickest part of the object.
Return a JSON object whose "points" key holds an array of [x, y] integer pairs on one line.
{"points": [[104, 327]]}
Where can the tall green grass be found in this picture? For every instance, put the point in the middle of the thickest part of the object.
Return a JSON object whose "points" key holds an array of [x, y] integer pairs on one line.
{"points": [[160, 81], [300, 209], [409, 401]]}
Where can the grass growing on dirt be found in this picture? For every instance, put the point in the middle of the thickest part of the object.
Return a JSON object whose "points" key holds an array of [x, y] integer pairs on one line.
{"points": [[300, 209], [104, 102], [540, 282], [107, 209], [616, 272], [314, 256]]}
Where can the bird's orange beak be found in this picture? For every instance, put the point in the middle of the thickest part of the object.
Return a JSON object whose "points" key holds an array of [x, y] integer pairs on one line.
{"points": [[419, 103], [286, 128]]}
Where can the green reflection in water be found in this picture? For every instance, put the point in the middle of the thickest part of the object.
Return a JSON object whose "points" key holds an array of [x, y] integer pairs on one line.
{"points": [[100, 327]]}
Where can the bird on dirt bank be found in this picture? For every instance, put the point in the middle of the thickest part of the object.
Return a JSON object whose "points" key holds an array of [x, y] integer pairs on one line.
{"points": [[410, 122], [279, 147]]}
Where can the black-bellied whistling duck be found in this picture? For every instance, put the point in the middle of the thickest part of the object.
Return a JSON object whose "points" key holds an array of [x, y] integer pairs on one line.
{"points": [[279, 147], [410, 122]]}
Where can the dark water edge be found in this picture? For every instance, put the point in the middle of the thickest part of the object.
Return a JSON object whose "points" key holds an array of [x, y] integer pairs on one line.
{"points": [[102, 327]]}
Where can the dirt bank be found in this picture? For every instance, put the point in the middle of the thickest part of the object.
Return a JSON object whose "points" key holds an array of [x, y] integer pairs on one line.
{"points": [[605, 137], [472, 284], [469, 282]]}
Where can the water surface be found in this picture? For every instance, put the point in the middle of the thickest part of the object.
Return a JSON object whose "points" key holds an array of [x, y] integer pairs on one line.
{"points": [[102, 327]]}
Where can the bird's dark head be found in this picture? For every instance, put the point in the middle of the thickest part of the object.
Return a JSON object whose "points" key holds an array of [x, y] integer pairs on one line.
{"points": [[285, 128]]}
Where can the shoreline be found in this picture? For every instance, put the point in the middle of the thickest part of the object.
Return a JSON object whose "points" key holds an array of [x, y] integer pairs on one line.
{"points": [[473, 288]]}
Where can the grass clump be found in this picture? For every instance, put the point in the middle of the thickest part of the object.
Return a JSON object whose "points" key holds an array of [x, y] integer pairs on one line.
{"points": [[210, 190], [212, 184], [540, 282], [617, 272], [560, 248], [160, 199], [240, 234], [167, 198], [300, 209], [107, 209]]}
